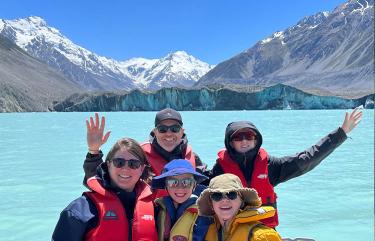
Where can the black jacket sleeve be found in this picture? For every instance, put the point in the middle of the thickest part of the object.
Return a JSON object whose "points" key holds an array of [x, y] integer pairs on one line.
{"points": [[200, 166], [216, 171], [281, 169], [198, 161], [90, 165], [76, 220]]}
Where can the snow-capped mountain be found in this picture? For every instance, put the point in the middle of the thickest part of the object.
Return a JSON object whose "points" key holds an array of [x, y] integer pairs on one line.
{"points": [[176, 69], [97, 72], [326, 52]]}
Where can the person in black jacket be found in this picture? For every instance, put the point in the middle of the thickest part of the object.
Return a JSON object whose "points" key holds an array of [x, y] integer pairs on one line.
{"points": [[167, 140], [244, 157], [281, 169]]}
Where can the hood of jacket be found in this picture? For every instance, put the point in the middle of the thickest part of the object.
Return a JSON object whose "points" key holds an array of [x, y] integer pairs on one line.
{"points": [[232, 128]]}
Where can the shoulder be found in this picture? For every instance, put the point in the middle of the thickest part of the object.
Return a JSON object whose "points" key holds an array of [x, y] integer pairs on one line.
{"points": [[82, 209], [145, 143], [78, 218], [146, 146], [261, 232]]}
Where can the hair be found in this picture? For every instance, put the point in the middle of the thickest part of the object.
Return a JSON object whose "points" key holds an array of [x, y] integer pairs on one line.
{"points": [[133, 148]]}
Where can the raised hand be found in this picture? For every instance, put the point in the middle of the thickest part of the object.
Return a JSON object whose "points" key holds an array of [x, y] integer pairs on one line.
{"points": [[95, 133], [351, 120]]}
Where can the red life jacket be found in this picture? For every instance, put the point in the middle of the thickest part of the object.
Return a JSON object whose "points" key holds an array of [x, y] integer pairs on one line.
{"points": [[157, 162], [259, 180], [113, 223]]}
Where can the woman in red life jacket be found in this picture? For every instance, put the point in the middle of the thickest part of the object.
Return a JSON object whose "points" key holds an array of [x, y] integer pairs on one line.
{"points": [[119, 206], [244, 157]]}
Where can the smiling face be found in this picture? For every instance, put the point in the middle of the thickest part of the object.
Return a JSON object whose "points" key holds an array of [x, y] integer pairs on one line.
{"points": [[180, 194], [124, 177], [243, 141], [226, 209], [168, 140]]}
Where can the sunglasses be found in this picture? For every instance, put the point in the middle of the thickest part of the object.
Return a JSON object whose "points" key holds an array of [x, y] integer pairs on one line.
{"points": [[132, 163], [182, 183], [218, 196], [244, 136], [164, 128]]}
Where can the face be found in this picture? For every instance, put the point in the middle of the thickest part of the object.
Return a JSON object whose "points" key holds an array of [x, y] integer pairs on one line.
{"points": [[180, 193], [168, 140], [125, 177], [243, 141], [226, 209]]}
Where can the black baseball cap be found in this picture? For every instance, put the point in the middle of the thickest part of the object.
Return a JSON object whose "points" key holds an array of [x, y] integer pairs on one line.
{"points": [[168, 114]]}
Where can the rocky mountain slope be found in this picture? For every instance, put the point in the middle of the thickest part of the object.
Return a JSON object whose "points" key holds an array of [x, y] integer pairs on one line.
{"points": [[27, 84], [327, 53]]}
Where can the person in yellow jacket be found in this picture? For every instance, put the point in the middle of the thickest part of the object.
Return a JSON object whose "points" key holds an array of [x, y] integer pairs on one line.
{"points": [[177, 214], [236, 211]]}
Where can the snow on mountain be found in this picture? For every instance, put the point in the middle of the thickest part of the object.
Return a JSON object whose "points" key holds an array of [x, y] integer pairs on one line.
{"points": [[331, 52], [97, 72], [176, 69]]}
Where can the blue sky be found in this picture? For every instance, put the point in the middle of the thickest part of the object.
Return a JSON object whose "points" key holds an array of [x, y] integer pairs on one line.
{"points": [[210, 30]]}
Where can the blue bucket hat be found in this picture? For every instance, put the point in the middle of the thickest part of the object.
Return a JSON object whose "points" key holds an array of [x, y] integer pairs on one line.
{"points": [[174, 168]]}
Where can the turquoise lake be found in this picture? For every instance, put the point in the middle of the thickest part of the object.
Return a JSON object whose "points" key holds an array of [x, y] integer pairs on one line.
{"points": [[42, 156]]}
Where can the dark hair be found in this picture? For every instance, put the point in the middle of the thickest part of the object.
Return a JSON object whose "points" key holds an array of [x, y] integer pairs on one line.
{"points": [[135, 149]]}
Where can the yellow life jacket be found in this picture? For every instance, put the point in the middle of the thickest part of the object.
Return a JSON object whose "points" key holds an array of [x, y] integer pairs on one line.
{"points": [[244, 225], [182, 228]]}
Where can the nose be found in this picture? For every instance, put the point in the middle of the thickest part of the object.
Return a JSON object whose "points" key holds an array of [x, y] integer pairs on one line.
{"points": [[225, 199], [169, 132]]}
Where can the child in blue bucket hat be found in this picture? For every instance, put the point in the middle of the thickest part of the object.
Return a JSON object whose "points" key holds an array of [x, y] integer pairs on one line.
{"points": [[177, 214]]}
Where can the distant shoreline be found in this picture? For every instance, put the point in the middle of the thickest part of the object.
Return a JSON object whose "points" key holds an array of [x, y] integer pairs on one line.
{"points": [[276, 97]]}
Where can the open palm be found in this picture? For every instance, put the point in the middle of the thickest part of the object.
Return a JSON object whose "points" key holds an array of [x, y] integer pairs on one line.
{"points": [[95, 133]]}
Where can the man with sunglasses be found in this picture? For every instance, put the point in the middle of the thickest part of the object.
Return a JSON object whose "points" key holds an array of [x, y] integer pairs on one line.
{"points": [[244, 157], [167, 142]]}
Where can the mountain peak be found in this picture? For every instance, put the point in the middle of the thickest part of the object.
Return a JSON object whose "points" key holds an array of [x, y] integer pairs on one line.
{"points": [[25, 30], [35, 20], [88, 69], [322, 52], [180, 54], [314, 20]]}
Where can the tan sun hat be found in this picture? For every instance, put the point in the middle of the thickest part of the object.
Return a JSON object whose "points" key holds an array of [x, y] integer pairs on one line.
{"points": [[226, 183]]}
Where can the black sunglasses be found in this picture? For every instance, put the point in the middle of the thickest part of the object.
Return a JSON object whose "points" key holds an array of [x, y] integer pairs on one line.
{"points": [[164, 128], [218, 196], [132, 163]]}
